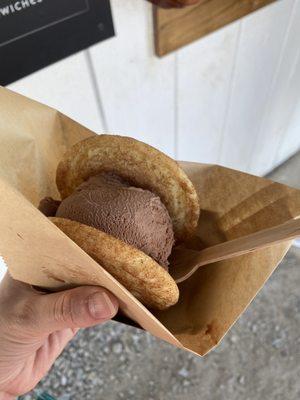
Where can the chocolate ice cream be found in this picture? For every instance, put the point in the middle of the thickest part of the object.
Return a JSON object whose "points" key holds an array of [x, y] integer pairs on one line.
{"points": [[134, 215], [49, 206]]}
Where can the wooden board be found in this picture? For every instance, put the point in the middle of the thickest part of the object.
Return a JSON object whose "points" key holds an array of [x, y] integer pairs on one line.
{"points": [[176, 28]]}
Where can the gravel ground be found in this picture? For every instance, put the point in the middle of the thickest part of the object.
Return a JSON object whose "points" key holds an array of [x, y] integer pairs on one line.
{"points": [[258, 359]]}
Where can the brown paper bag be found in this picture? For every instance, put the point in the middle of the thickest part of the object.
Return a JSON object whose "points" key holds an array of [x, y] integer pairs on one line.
{"points": [[34, 137]]}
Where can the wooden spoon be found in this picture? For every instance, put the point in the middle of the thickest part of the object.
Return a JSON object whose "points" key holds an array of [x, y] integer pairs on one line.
{"points": [[184, 262]]}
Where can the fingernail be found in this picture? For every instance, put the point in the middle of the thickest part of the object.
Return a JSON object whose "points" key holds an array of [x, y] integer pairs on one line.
{"points": [[101, 306]]}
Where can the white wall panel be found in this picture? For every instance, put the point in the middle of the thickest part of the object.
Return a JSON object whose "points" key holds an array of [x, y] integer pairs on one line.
{"points": [[260, 44], [277, 136], [136, 88], [2, 269], [204, 78], [290, 140], [66, 86]]}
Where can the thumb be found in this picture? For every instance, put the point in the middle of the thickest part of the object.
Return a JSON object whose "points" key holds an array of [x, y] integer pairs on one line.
{"points": [[75, 308]]}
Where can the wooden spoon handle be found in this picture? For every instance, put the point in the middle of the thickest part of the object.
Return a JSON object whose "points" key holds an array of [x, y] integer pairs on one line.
{"points": [[233, 248]]}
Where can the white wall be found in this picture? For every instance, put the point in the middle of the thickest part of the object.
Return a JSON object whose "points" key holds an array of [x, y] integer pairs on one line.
{"points": [[2, 269], [231, 98]]}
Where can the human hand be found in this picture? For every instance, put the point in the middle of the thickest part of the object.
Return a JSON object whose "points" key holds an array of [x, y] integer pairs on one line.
{"points": [[35, 327], [173, 3]]}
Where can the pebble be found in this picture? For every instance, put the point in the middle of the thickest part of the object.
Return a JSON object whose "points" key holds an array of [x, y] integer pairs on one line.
{"points": [[183, 372], [117, 348], [234, 339], [63, 380], [65, 397], [276, 343], [106, 350]]}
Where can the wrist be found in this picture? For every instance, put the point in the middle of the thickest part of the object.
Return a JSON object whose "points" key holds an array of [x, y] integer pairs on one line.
{"points": [[6, 396]]}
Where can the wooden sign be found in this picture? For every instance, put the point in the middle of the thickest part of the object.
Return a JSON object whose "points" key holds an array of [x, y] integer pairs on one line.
{"points": [[178, 27]]}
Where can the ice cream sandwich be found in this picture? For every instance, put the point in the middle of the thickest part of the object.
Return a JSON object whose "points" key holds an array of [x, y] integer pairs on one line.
{"points": [[126, 204]]}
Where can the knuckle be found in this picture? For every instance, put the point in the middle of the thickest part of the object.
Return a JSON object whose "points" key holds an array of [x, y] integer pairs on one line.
{"points": [[64, 310]]}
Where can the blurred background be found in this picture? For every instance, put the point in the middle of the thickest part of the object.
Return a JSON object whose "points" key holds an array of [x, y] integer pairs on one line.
{"points": [[231, 98]]}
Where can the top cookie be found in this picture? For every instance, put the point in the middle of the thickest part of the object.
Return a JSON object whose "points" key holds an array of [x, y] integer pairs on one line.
{"points": [[140, 164]]}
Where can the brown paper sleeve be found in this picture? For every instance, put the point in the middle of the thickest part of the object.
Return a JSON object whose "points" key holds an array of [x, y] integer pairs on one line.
{"points": [[34, 137]]}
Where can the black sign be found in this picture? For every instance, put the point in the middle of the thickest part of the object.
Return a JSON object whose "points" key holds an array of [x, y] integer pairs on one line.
{"points": [[36, 33]]}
